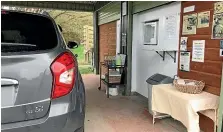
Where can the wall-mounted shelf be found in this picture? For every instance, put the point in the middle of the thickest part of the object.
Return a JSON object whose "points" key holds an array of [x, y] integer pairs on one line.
{"points": [[163, 54]]}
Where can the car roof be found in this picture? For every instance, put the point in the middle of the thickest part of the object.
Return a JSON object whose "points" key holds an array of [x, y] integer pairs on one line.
{"points": [[43, 14]]}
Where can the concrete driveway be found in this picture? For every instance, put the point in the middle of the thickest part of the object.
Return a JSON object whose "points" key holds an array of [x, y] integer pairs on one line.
{"points": [[120, 114]]}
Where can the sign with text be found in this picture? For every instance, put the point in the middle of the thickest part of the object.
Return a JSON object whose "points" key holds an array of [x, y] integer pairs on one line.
{"points": [[198, 50], [185, 61]]}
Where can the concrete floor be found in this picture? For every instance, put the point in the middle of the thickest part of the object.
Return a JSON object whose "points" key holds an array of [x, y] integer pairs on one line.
{"points": [[120, 114]]}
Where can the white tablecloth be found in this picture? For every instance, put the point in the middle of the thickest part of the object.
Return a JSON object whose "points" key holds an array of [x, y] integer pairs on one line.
{"points": [[182, 106]]}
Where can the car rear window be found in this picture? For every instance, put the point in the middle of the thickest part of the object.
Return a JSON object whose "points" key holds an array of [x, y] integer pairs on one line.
{"points": [[21, 32]]}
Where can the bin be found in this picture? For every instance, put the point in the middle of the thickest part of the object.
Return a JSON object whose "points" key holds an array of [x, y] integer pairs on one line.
{"points": [[155, 80]]}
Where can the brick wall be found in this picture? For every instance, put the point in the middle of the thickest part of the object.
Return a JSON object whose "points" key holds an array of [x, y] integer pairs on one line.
{"points": [[107, 40], [210, 70]]}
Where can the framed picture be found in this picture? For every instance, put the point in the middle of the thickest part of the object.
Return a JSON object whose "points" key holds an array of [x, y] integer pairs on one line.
{"points": [[150, 32]]}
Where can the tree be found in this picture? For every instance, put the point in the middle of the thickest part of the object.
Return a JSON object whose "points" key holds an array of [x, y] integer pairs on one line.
{"points": [[72, 23]]}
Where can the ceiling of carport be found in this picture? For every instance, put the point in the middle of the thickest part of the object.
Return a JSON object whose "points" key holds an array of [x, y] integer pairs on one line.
{"points": [[88, 6]]}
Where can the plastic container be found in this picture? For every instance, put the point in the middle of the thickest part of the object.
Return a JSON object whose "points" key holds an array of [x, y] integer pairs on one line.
{"points": [[118, 60], [113, 91]]}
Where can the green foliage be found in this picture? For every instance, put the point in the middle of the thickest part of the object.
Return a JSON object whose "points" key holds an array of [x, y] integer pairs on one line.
{"points": [[80, 52], [72, 23], [85, 69]]}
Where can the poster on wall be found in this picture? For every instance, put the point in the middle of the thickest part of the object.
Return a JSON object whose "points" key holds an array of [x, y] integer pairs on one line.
{"points": [[221, 48], [171, 26], [189, 24], [217, 29], [203, 19], [198, 50], [218, 7], [185, 61], [183, 44]]}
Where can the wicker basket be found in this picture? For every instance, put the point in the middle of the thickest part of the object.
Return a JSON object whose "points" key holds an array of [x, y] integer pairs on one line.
{"points": [[191, 89]]}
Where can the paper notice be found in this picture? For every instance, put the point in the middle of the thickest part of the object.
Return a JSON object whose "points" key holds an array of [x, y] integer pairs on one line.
{"points": [[189, 9], [198, 50], [183, 44], [185, 61], [171, 26]]}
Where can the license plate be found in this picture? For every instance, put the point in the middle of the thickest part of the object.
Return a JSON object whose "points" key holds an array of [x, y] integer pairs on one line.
{"points": [[8, 96]]}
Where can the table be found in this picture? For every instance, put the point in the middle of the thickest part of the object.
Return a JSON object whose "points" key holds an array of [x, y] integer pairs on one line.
{"points": [[182, 106]]}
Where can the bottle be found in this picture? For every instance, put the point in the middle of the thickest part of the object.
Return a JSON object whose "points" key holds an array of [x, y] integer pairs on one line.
{"points": [[118, 59]]}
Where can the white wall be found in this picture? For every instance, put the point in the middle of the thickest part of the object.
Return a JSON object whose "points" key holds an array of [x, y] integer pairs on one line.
{"points": [[145, 61]]}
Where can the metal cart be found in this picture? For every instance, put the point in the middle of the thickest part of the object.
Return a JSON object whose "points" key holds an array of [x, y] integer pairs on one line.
{"points": [[106, 81]]}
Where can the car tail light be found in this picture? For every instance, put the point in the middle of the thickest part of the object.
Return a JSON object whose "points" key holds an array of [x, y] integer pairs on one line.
{"points": [[4, 12], [63, 70]]}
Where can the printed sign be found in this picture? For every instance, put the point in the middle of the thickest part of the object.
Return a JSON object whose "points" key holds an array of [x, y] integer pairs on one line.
{"points": [[189, 9], [221, 48], [183, 44], [198, 50], [170, 27], [185, 61]]}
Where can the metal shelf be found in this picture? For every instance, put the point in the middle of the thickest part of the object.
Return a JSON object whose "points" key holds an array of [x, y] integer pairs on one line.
{"points": [[110, 84], [163, 54], [109, 74]]}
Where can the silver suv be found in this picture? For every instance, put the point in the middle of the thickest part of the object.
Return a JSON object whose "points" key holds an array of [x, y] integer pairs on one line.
{"points": [[41, 87]]}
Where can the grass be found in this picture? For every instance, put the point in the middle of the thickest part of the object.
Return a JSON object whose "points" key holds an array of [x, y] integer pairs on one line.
{"points": [[83, 67]]}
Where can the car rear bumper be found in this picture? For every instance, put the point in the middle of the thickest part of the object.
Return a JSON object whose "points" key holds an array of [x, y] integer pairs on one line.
{"points": [[62, 117], [53, 124]]}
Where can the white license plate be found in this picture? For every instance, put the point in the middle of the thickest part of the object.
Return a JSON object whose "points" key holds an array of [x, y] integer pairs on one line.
{"points": [[8, 96]]}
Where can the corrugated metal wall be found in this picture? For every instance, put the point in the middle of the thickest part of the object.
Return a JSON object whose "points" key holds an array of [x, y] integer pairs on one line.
{"points": [[112, 11], [139, 6], [60, 5], [109, 13]]}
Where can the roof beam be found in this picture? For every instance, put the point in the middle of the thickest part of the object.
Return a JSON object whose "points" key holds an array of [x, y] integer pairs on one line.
{"points": [[100, 4], [52, 5]]}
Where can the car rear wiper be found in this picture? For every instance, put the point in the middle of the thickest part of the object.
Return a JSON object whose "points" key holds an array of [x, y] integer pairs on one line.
{"points": [[16, 44]]}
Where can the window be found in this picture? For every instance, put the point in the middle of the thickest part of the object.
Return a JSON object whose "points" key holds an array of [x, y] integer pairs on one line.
{"points": [[150, 32], [26, 32]]}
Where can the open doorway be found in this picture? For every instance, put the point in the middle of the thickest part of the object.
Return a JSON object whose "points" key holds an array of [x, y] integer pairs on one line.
{"points": [[78, 27]]}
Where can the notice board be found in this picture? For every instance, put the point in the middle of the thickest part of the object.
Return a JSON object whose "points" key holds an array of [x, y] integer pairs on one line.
{"points": [[210, 70]]}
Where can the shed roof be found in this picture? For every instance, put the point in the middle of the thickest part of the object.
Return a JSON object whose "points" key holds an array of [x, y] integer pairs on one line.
{"points": [[88, 6]]}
